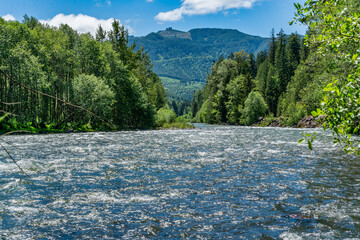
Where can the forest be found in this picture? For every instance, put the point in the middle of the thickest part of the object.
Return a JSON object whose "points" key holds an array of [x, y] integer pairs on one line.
{"points": [[93, 82], [55, 78], [242, 87], [317, 75]]}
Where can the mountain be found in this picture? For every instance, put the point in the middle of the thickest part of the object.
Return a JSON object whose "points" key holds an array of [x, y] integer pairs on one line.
{"points": [[188, 56]]}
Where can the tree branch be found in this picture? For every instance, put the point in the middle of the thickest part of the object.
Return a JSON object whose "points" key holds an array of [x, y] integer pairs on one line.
{"points": [[22, 170], [2, 111], [15, 103]]}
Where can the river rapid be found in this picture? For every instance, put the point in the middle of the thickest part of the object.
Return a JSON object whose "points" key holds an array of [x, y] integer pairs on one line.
{"points": [[212, 182]]}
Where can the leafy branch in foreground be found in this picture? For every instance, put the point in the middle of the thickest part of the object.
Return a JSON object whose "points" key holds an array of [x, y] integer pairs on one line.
{"points": [[334, 31], [309, 138]]}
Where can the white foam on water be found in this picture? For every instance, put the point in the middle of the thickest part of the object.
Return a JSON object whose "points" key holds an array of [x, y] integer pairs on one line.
{"points": [[143, 198], [290, 236], [22, 210]]}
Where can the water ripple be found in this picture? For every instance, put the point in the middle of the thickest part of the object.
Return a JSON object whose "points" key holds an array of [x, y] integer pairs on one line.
{"points": [[213, 182]]}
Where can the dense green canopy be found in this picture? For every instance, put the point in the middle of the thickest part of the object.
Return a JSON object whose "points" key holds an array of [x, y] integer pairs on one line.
{"points": [[267, 77], [103, 75]]}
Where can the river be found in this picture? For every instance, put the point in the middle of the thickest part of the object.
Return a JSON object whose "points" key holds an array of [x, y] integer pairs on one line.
{"points": [[212, 182]]}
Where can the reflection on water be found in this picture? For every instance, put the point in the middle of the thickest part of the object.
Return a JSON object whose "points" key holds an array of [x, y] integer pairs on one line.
{"points": [[213, 182]]}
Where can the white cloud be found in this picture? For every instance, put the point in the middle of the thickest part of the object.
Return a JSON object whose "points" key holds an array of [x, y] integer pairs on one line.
{"points": [[171, 16], [149, 0], [100, 3], [202, 7], [82, 23], [9, 17]]}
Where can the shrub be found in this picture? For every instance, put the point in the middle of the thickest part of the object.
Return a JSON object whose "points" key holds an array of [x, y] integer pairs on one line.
{"points": [[204, 114], [255, 107], [294, 113], [165, 115]]}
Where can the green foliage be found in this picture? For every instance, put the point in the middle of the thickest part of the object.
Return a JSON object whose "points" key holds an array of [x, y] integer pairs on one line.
{"points": [[92, 93], [267, 120], [164, 116], [309, 139], [306, 86], [231, 80], [189, 56], [105, 76], [177, 89], [272, 89], [2, 118], [204, 114], [227, 87], [255, 107], [238, 90], [334, 30], [5, 123], [179, 123], [261, 76], [294, 113]]}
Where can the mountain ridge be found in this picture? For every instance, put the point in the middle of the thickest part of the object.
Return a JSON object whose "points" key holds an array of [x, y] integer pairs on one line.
{"points": [[188, 56]]}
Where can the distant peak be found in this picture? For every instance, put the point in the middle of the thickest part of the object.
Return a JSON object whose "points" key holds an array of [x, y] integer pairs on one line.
{"points": [[172, 33]]}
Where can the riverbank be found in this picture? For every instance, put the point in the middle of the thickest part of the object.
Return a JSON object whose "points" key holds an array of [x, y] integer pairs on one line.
{"points": [[306, 122], [34, 130]]}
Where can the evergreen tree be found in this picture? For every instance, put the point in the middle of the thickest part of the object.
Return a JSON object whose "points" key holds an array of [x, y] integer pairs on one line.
{"points": [[261, 77], [272, 89], [260, 58], [119, 38], [293, 47], [272, 47], [281, 62], [100, 34]]}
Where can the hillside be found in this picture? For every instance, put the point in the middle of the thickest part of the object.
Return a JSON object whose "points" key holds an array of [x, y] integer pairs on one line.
{"points": [[188, 56]]}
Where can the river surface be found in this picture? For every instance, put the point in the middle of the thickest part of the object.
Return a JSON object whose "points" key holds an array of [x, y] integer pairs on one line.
{"points": [[213, 182]]}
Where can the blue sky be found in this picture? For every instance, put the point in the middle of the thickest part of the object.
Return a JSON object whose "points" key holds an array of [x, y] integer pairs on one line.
{"points": [[256, 17]]}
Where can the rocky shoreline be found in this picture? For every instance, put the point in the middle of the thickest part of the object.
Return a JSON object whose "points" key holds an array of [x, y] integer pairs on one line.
{"points": [[306, 122]]}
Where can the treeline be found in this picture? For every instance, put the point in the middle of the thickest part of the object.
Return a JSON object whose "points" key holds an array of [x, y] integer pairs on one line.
{"points": [[318, 75], [101, 74], [226, 97], [287, 81]]}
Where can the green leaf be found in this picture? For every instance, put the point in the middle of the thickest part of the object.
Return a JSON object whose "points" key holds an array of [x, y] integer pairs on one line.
{"points": [[329, 88], [310, 144], [2, 118], [315, 114], [355, 56]]}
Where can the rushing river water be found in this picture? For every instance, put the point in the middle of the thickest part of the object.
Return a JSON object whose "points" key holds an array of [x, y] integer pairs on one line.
{"points": [[213, 182]]}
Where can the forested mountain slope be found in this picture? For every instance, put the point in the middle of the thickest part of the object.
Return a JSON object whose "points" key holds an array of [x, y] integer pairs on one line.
{"points": [[188, 56]]}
